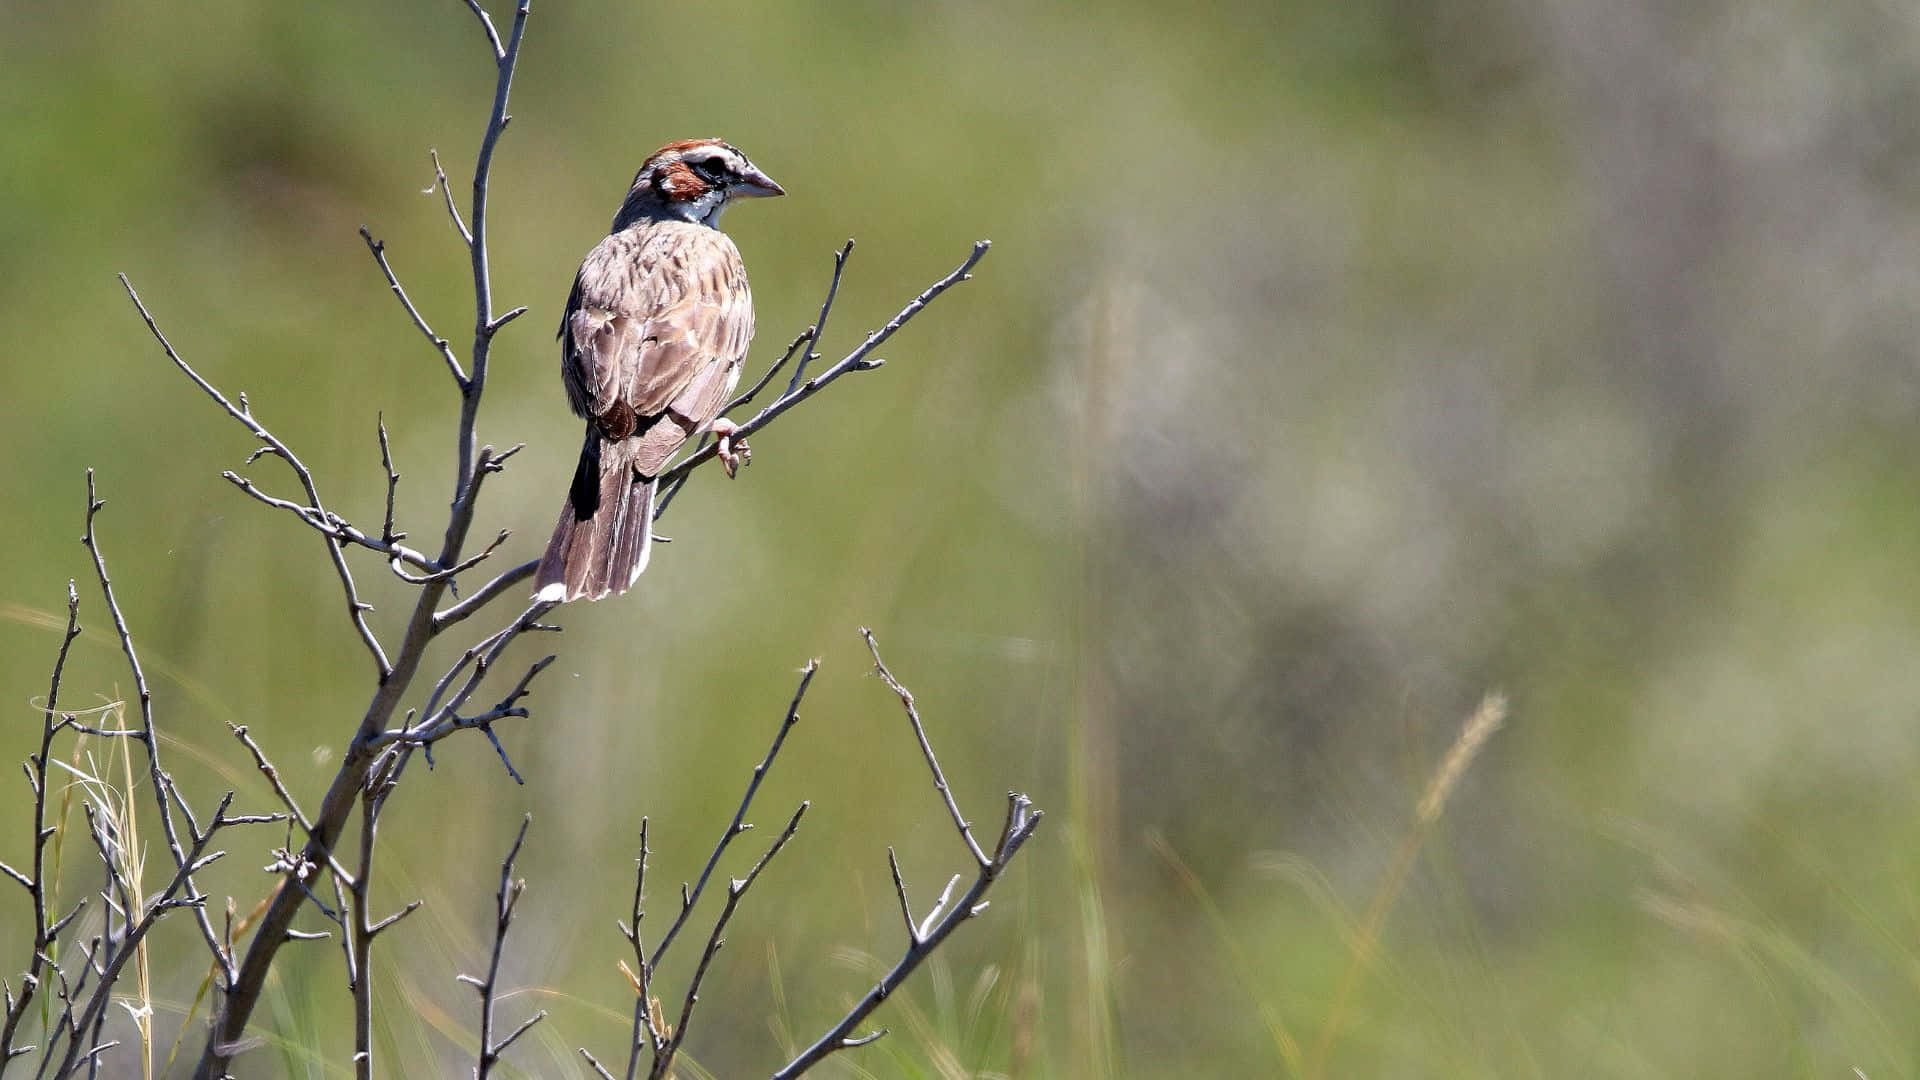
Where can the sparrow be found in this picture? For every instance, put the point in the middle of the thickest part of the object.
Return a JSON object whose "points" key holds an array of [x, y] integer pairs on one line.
{"points": [[651, 344]]}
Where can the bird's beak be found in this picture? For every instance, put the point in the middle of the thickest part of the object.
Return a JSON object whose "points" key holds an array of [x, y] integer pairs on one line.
{"points": [[754, 184]]}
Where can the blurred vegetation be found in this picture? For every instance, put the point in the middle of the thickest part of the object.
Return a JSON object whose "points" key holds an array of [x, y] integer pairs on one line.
{"points": [[1335, 364]]}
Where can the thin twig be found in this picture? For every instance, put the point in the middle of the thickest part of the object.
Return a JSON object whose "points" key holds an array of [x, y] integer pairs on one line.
{"points": [[598, 1069], [126, 944], [926, 748], [647, 1028], [387, 535], [446, 192], [645, 1031], [44, 933], [379, 251], [923, 939], [808, 356], [456, 569], [900, 890], [484, 595], [272, 774], [164, 794], [671, 491], [357, 937], [440, 720], [736, 889], [485, 323], [739, 823], [486, 23], [753, 391], [505, 900], [356, 611], [333, 526], [244, 991], [857, 360]]}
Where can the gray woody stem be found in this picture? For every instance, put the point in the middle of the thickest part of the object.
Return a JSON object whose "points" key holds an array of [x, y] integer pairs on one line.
{"points": [[924, 938], [380, 744], [646, 1030], [36, 885], [244, 989], [131, 912], [504, 902]]}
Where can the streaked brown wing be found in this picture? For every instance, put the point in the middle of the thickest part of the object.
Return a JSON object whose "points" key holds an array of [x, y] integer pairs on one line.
{"points": [[700, 399], [659, 318]]}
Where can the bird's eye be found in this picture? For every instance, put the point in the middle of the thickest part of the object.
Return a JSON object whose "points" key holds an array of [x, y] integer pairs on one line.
{"points": [[714, 168]]}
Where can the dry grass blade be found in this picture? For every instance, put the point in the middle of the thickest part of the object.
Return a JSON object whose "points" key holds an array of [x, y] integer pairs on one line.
{"points": [[1479, 727]]}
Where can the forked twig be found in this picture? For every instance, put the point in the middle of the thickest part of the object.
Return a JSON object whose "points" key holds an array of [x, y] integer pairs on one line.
{"points": [[504, 902], [923, 938], [736, 890], [739, 823], [648, 1030], [356, 609], [808, 355], [274, 928], [856, 360], [45, 929]]}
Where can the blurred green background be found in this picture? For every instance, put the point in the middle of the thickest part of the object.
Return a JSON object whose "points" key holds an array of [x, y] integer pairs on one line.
{"points": [[1334, 365]]}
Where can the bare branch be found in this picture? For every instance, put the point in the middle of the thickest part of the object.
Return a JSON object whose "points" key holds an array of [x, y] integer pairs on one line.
{"points": [[643, 1006], [357, 937], [505, 900], [736, 889], [738, 825], [900, 890], [272, 774], [484, 595], [356, 611], [807, 338], [251, 819], [379, 251], [164, 794], [820, 325], [446, 192], [445, 720], [114, 954], [244, 991], [44, 932], [456, 569], [332, 526], [381, 747], [942, 920], [753, 391], [940, 905], [484, 324], [412, 906], [650, 1031], [387, 535], [493, 36], [926, 748], [857, 360]]}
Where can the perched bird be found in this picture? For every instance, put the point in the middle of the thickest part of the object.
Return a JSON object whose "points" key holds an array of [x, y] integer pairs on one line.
{"points": [[650, 350]]}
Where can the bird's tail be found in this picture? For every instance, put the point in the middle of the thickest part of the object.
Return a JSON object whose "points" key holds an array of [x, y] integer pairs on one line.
{"points": [[605, 532]]}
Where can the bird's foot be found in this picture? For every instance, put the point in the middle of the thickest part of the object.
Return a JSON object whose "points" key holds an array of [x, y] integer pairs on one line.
{"points": [[732, 454]]}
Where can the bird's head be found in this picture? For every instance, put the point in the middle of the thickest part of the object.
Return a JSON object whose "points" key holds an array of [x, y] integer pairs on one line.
{"points": [[693, 180]]}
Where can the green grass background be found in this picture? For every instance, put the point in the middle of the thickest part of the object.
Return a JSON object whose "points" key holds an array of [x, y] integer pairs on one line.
{"points": [[1334, 364]]}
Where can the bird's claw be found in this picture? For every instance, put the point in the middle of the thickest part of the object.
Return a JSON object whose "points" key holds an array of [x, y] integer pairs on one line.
{"points": [[732, 454]]}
